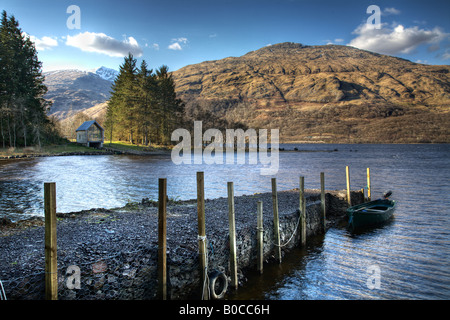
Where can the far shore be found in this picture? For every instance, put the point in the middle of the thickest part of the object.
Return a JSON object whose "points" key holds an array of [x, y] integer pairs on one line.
{"points": [[120, 147], [74, 149]]}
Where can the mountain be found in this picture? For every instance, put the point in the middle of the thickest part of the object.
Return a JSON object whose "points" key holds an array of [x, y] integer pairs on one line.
{"points": [[106, 73], [330, 93], [73, 91], [323, 94]]}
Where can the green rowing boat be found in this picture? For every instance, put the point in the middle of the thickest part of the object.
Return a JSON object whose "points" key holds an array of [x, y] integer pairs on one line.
{"points": [[371, 213]]}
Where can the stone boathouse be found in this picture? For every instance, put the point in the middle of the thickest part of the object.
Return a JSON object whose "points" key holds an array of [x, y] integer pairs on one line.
{"points": [[91, 134]]}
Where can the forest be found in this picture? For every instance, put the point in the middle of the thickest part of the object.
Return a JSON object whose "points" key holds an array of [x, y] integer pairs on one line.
{"points": [[143, 107], [23, 119]]}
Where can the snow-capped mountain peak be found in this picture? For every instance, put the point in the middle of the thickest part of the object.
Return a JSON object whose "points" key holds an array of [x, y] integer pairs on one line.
{"points": [[106, 73]]}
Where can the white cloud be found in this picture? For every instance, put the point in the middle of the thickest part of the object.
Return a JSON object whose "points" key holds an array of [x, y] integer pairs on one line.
{"points": [[154, 46], [180, 40], [43, 43], [397, 40], [175, 46], [391, 11], [177, 43], [102, 43]]}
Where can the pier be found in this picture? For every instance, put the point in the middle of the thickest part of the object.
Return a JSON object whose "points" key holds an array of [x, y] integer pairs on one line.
{"points": [[165, 249]]}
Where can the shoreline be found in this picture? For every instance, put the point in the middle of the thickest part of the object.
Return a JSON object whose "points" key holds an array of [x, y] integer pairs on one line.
{"points": [[110, 151], [90, 153], [118, 247], [107, 150]]}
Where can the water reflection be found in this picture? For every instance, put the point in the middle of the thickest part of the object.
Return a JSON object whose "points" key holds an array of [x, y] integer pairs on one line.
{"points": [[19, 208], [20, 192], [412, 250]]}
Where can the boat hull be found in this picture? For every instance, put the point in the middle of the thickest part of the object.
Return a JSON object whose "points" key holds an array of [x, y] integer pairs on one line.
{"points": [[370, 213]]}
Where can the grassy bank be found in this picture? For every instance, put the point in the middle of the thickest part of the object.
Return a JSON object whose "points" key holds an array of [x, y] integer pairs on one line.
{"points": [[137, 149], [72, 148], [67, 148], [127, 146]]}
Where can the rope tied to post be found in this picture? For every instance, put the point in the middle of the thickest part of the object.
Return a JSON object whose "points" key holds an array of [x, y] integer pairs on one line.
{"points": [[205, 280], [293, 233], [2, 292]]}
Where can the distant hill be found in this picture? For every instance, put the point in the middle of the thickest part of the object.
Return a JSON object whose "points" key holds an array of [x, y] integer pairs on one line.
{"points": [[311, 93], [324, 94], [73, 91]]}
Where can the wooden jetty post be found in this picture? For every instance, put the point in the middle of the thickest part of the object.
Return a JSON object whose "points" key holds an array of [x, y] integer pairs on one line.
{"points": [[302, 209], [322, 200], [51, 271], [276, 222], [202, 250], [347, 174], [368, 184], [162, 239], [232, 226], [260, 237]]}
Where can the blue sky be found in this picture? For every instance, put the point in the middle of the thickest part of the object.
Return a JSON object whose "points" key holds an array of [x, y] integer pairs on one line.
{"points": [[178, 33]]}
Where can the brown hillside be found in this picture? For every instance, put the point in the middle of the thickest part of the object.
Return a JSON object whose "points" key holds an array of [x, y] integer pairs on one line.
{"points": [[73, 91], [324, 93]]}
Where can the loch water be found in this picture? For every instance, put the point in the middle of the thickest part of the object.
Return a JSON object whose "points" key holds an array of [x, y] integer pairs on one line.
{"points": [[406, 258]]}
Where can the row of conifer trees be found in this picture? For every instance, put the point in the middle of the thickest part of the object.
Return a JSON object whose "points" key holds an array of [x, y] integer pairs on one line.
{"points": [[143, 107], [23, 119]]}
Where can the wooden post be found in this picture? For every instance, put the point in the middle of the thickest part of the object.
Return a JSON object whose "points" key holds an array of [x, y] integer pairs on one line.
{"points": [[349, 198], [202, 251], [260, 240], [302, 209], [51, 271], [322, 199], [162, 235], [368, 184], [276, 223], [231, 221]]}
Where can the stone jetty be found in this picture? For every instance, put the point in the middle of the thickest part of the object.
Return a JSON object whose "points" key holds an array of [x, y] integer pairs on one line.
{"points": [[112, 254]]}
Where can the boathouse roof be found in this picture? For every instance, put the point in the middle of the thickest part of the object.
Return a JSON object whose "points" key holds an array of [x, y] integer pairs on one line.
{"points": [[86, 125]]}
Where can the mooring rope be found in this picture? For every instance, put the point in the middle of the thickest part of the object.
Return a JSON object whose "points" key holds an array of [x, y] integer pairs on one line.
{"points": [[205, 280], [2, 292], [205, 283], [293, 233]]}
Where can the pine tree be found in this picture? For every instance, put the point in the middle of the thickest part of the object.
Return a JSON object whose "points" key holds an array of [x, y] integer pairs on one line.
{"points": [[23, 116], [147, 86], [4, 51], [170, 108], [122, 106], [143, 105]]}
